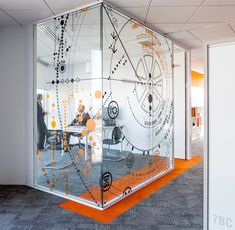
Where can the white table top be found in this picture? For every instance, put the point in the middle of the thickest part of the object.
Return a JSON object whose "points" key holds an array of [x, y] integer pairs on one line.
{"points": [[75, 129]]}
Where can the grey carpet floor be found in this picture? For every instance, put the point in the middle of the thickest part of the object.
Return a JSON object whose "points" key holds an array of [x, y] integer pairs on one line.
{"points": [[177, 206], [76, 187], [197, 147]]}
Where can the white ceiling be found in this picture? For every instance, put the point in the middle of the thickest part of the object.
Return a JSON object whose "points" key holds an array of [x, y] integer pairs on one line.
{"points": [[190, 22]]}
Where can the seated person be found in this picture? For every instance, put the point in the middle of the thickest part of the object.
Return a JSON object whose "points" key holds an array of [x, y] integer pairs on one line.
{"points": [[80, 120]]}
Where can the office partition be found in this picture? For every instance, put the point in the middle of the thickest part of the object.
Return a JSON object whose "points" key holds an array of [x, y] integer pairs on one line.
{"points": [[104, 95], [182, 103], [219, 180]]}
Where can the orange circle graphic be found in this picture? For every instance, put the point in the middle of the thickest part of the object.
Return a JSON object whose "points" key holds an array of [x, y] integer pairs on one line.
{"points": [[53, 124], [90, 124], [84, 132], [81, 152], [98, 94]]}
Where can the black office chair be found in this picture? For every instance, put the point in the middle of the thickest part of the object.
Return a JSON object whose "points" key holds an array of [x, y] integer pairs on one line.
{"points": [[116, 136], [54, 139], [79, 136], [116, 139]]}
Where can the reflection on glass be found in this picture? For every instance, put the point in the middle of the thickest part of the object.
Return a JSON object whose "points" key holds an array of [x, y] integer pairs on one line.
{"points": [[104, 105]]}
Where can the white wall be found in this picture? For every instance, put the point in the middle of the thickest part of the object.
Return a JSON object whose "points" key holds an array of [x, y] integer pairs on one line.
{"points": [[197, 96], [179, 105], [16, 100], [30, 104], [221, 82], [13, 106]]}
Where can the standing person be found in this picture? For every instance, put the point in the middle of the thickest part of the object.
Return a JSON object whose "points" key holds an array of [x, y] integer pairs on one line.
{"points": [[42, 129]]}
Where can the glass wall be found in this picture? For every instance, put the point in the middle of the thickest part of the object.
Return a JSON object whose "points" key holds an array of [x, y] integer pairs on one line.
{"points": [[69, 105], [137, 82], [104, 114]]}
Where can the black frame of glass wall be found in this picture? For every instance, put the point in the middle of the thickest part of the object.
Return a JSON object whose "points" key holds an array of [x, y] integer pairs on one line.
{"points": [[127, 140]]}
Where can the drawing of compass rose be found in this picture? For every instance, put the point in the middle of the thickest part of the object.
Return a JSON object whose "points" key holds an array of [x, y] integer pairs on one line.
{"points": [[139, 80], [149, 91]]}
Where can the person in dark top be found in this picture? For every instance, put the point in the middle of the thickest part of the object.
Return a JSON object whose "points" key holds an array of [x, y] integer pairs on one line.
{"points": [[80, 120], [42, 129]]}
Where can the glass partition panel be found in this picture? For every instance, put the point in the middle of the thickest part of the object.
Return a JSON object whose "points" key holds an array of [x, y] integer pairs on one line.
{"points": [[137, 105], [104, 112], [69, 105]]}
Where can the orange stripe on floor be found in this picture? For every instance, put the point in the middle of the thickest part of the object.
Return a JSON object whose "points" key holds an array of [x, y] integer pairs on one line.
{"points": [[130, 180], [123, 205]]}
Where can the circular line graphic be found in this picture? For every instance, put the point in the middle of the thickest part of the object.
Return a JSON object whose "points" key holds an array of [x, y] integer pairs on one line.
{"points": [[113, 109], [106, 181], [130, 160]]}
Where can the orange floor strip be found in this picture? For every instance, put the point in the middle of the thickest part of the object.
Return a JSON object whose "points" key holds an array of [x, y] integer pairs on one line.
{"points": [[129, 180], [117, 209]]}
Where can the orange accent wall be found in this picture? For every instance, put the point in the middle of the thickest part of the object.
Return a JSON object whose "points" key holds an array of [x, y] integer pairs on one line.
{"points": [[197, 79]]}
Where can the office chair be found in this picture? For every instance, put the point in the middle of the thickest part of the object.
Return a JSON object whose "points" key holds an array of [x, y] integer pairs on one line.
{"points": [[54, 139], [79, 136], [116, 139]]}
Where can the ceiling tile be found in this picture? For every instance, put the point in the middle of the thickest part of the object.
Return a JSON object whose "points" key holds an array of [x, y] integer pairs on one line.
{"points": [[192, 26], [214, 14], [213, 33], [182, 36], [176, 3], [29, 16], [169, 14], [193, 43], [23, 5], [178, 49], [136, 12], [167, 28], [68, 4], [130, 3], [232, 24], [5, 20], [219, 2]]}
